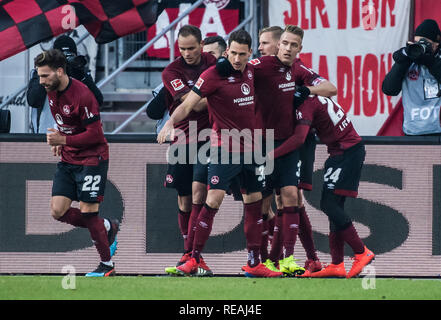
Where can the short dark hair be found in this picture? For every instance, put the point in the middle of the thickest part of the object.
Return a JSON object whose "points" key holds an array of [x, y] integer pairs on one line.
{"points": [[53, 58], [216, 39], [189, 30], [240, 36]]}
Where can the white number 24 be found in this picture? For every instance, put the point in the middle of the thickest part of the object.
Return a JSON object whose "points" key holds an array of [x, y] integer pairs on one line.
{"points": [[334, 176]]}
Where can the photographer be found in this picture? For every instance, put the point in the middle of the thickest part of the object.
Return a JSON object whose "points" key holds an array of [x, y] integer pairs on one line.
{"points": [[36, 94], [417, 73]]}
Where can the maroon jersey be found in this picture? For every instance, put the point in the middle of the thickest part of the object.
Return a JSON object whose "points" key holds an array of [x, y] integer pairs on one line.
{"points": [[76, 112], [178, 78], [275, 84], [332, 126], [230, 105]]}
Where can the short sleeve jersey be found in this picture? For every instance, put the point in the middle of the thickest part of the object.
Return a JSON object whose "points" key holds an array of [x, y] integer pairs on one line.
{"points": [[275, 85], [332, 125], [231, 104], [179, 78], [73, 110]]}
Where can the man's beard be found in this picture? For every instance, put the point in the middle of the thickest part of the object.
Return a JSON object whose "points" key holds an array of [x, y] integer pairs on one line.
{"points": [[54, 85]]}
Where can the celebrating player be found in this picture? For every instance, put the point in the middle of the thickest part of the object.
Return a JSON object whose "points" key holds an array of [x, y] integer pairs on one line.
{"points": [[229, 89], [82, 172], [189, 180], [341, 178], [275, 80]]}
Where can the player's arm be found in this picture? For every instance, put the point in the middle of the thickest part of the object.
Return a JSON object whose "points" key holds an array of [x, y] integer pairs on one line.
{"points": [[324, 88], [310, 83], [200, 106], [292, 143], [92, 135], [181, 112], [90, 118]]}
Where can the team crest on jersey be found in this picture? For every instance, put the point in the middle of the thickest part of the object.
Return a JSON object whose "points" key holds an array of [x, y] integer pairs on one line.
{"points": [[214, 180], [66, 109], [299, 115], [59, 119], [255, 62], [245, 88], [250, 75], [199, 83], [413, 75], [177, 84], [288, 76]]}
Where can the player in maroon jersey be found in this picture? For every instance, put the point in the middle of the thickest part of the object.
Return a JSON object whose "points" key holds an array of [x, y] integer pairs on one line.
{"points": [[229, 90], [341, 178], [276, 77], [189, 180], [81, 174]]}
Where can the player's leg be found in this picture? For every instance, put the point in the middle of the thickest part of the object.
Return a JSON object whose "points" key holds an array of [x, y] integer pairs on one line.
{"points": [[267, 216], [342, 176], [63, 193], [306, 167], [199, 195], [276, 252], [179, 177], [252, 186], [312, 264], [286, 177], [219, 179], [290, 229], [184, 212], [91, 183], [204, 225], [336, 269]]}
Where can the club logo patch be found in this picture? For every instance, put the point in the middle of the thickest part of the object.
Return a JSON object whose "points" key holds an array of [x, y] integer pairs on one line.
{"points": [[214, 180], [413, 75], [66, 109], [255, 62], [245, 88], [169, 178], [199, 83], [177, 84]]}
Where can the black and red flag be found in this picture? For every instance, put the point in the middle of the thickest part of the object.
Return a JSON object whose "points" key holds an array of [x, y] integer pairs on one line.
{"points": [[24, 23]]}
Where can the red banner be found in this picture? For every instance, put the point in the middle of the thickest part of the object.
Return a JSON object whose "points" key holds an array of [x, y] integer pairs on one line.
{"points": [[427, 9], [213, 18]]}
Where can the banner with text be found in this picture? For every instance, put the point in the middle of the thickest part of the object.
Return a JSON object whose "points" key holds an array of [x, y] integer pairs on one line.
{"points": [[350, 42], [215, 17]]}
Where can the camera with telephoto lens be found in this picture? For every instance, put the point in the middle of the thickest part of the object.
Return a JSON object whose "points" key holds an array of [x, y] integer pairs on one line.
{"points": [[74, 63], [417, 50]]}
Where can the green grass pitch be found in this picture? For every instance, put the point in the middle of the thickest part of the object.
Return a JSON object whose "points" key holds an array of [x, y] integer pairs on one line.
{"points": [[216, 288]]}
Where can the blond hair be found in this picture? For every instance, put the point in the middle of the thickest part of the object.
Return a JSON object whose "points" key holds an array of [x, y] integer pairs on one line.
{"points": [[294, 30], [276, 31]]}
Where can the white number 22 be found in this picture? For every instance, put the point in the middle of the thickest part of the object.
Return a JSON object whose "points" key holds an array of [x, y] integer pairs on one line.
{"points": [[91, 183]]}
